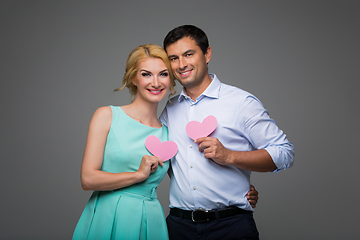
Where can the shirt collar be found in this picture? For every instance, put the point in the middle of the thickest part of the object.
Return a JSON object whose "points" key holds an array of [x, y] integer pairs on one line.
{"points": [[212, 91]]}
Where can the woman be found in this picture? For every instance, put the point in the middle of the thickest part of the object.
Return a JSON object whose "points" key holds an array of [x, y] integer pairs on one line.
{"points": [[116, 164]]}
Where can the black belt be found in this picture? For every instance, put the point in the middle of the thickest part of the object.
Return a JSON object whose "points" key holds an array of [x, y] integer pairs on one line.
{"points": [[207, 215]]}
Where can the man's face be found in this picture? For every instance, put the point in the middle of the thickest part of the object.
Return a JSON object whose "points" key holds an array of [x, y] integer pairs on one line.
{"points": [[188, 62]]}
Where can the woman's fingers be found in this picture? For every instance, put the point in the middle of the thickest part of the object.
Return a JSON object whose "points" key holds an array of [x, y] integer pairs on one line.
{"points": [[154, 162]]}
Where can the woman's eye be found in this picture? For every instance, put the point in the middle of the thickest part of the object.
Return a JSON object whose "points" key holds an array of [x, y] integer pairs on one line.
{"points": [[165, 74], [145, 74]]}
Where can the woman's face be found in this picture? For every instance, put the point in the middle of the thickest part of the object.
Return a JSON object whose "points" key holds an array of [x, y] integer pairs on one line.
{"points": [[152, 80]]}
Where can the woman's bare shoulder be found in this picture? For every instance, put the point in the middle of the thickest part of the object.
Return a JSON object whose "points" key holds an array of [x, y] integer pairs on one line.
{"points": [[102, 115]]}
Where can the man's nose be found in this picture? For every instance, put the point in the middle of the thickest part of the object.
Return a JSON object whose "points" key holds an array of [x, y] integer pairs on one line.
{"points": [[183, 63]]}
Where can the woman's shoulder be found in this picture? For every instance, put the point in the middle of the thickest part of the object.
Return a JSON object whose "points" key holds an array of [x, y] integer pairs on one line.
{"points": [[103, 115], [110, 109], [104, 111]]}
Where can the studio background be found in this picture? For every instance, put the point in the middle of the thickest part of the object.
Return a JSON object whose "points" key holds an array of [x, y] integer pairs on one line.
{"points": [[61, 60]]}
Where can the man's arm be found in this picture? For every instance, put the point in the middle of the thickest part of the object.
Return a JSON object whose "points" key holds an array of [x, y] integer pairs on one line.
{"points": [[257, 160], [272, 151]]}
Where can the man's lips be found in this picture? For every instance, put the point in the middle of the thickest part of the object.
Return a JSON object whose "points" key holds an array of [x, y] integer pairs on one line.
{"points": [[185, 73]]}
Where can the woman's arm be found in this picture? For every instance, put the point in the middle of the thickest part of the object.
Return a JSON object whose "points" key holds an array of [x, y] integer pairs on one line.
{"points": [[92, 178]]}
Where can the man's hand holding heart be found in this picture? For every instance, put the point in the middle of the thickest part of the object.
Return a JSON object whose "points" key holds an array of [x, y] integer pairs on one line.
{"points": [[214, 149], [210, 146]]}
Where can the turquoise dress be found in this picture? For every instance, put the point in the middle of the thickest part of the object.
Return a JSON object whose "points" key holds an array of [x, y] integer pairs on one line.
{"points": [[132, 212]]}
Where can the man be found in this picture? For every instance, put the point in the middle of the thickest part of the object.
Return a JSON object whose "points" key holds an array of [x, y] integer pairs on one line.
{"points": [[210, 176]]}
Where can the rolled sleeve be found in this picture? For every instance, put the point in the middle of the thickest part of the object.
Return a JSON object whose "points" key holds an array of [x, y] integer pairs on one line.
{"points": [[263, 133], [282, 155]]}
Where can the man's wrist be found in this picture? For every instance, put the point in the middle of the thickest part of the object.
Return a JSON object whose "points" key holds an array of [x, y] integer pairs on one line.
{"points": [[230, 159]]}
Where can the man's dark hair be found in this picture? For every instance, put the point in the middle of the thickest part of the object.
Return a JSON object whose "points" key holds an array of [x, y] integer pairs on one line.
{"points": [[191, 31]]}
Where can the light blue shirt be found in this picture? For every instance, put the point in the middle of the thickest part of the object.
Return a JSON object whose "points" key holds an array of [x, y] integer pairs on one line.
{"points": [[243, 125]]}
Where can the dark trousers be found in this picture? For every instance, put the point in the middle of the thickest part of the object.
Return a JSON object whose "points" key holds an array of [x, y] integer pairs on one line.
{"points": [[241, 226]]}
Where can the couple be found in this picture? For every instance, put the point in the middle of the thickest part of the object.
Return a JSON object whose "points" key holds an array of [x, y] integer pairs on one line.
{"points": [[210, 193]]}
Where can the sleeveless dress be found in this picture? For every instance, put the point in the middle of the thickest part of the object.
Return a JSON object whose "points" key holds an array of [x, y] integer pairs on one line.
{"points": [[133, 212]]}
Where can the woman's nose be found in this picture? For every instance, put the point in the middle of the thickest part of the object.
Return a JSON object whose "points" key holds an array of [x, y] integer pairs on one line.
{"points": [[156, 82]]}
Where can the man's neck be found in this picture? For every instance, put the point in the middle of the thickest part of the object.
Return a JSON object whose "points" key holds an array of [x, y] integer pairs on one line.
{"points": [[195, 91]]}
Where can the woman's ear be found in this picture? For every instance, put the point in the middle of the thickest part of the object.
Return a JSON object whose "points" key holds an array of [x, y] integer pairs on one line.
{"points": [[134, 81]]}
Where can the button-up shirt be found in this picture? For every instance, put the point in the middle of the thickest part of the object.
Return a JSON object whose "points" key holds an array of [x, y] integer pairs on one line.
{"points": [[242, 125]]}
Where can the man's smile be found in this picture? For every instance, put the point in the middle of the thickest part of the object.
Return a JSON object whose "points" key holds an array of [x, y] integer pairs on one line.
{"points": [[185, 74]]}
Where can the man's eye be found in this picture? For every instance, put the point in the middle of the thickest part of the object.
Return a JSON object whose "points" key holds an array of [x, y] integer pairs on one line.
{"points": [[173, 59]]}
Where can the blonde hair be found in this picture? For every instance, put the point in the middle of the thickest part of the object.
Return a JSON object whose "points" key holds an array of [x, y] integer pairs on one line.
{"points": [[138, 55]]}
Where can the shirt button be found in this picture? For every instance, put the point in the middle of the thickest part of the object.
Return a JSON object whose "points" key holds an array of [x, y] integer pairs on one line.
{"points": [[190, 146], [194, 188], [191, 166]]}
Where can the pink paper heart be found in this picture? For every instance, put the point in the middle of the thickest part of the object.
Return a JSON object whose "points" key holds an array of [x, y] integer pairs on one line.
{"points": [[195, 129], [164, 150]]}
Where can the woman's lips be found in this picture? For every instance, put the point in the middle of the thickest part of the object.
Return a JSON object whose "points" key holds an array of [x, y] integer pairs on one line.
{"points": [[155, 91]]}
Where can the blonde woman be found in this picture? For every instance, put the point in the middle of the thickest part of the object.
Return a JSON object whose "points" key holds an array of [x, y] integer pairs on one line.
{"points": [[116, 164]]}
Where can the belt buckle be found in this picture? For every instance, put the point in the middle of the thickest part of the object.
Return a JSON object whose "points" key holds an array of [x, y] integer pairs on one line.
{"points": [[200, 210]]}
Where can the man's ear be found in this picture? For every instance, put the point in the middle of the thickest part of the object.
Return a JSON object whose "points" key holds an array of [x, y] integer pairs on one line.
{"points": [[208, 54]]}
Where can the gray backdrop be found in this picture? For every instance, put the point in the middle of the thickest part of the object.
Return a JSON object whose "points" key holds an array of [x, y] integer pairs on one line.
{"points": [[60, 60]]}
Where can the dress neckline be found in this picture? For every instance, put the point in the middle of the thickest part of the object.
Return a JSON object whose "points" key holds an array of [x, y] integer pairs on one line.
{"points": [[162, 125]]}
